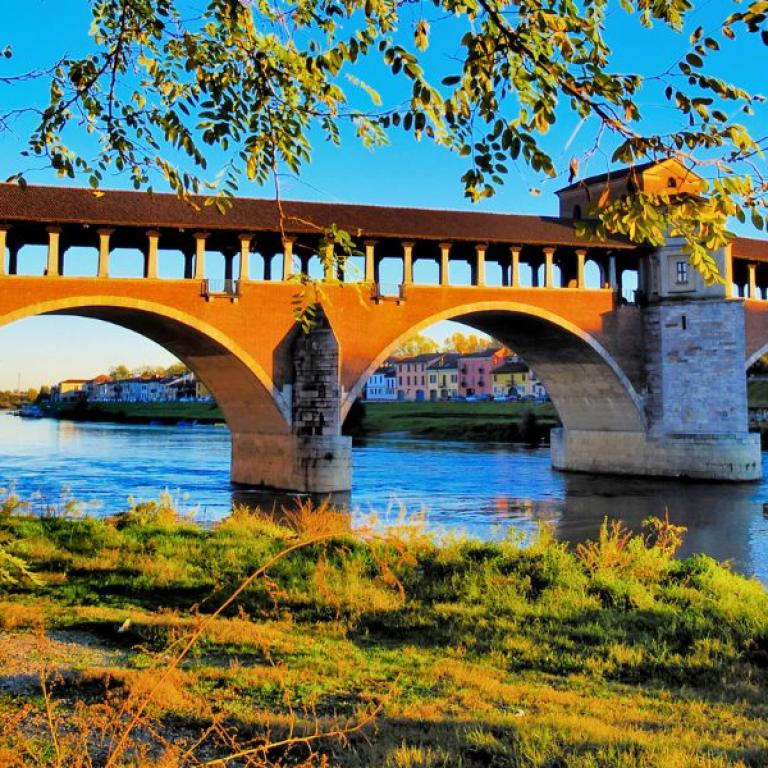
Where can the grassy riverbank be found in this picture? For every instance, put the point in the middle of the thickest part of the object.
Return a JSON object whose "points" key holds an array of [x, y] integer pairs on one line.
{"points": [[491, 421], [136, 413], [407, 653]]}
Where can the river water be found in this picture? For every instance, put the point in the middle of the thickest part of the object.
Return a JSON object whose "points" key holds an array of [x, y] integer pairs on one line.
{"points": [[482, 490]]}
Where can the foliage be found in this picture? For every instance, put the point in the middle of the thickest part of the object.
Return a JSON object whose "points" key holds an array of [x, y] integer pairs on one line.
{"points": [[189, 644], [458, 342], [416, 345], [167, 85]]}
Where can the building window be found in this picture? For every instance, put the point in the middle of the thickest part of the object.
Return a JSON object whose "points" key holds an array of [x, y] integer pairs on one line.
{"points": [[681, 272], [671, 182], [576, 211]]}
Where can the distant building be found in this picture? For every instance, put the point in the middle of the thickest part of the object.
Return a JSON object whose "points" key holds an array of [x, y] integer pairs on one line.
{"points": [[443, 377], [476, 369], [382, 385], [510, 379], [69, 390], [412, 376]]}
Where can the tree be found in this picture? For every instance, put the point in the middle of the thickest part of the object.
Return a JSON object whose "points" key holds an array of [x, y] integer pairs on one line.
{"points": [[176, 369], [168, 84], [416, 345], [458, 342], [120, 371]]}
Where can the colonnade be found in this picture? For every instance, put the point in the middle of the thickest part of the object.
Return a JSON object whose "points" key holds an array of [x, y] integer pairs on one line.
{"points": [[298, 250]]}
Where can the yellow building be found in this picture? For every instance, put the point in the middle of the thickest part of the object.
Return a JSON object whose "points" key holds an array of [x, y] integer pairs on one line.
{"points": [[70, 389], [511, 378], [443, 377]]}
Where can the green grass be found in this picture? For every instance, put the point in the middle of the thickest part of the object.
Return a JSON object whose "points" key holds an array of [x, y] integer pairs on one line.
{"points": [[170, 412], [479, 654], [461, 420]]}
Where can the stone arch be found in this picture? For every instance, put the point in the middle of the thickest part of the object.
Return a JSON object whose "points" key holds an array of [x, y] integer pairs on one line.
{"points": [[247, 397], [587, 386]]}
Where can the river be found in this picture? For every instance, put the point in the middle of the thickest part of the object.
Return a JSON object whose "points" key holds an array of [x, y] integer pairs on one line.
{"points": [[482, 490]]}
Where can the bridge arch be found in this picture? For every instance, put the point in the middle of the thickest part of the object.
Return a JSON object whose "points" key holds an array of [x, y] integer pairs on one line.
{"points": [[246, 395], [586, 384]]}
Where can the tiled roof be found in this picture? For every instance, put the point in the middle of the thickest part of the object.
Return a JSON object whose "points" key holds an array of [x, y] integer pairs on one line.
{"points": [[448, 360], [750, 248], [425, 358], [66, 205], [511, 368], [483, 353]]}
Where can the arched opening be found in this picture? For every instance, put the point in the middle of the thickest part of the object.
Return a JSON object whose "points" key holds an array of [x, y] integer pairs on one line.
{"points": [[586, 385], [593, 275], [246, 396], [459, 272], [81, 261], [426, 272], [127, 262], [30, 260]]}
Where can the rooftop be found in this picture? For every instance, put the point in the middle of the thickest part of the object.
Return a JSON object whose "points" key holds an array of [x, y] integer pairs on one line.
{"points": [[48, 205]]}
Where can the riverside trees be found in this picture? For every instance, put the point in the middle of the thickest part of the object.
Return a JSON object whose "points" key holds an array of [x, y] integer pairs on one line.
{"points": [[168, 83]]}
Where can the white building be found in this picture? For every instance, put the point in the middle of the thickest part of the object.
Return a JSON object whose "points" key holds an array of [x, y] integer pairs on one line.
{"points": [[382, 385]]}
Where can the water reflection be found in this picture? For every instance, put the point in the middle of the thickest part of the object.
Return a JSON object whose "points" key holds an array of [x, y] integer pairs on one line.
{"points": [[483, 490]]}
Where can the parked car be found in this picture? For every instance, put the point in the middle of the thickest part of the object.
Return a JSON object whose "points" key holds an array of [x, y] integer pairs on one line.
{"points": [[471, 398]]}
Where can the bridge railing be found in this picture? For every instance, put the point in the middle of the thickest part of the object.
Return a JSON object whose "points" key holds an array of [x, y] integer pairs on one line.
{"points": [[219, 287], [388, 292]]}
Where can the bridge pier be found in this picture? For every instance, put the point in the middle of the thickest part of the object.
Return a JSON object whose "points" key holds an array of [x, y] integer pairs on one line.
{"points": [[315, 457], [723, 457], [696, 393], [290, 462]]}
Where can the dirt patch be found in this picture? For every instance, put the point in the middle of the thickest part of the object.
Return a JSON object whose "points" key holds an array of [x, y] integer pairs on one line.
{"points": [[25, 655]]}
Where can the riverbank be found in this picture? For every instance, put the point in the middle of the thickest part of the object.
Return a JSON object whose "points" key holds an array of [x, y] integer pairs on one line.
{"points": [[513, 422], [403, 652], [136, 413]]}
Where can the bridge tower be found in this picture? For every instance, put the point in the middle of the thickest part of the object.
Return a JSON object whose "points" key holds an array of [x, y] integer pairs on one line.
{"points": [[695, 394]]}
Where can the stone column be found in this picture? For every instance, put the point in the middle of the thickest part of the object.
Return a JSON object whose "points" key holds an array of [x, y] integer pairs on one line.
{"points": [[104, 235], [288, 256], [200, 238], [534, 273], [328, 265], [268, 265], [504, 264], [445, 253], [752, 271], [3, 237], [54, 234], [728, 271], [369, 260], [229, 263], [612, 281], [245, 255], [480, 264], [549, 272], [514, 272], [407, 263], [150, 268], [581, 260], [13, 259]]}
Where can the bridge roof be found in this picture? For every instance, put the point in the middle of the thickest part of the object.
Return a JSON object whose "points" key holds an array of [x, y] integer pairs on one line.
{"points": [[68, 205], [750, 248]]}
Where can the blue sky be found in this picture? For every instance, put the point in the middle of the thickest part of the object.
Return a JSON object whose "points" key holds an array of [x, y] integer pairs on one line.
{"points": [[410, 173]]}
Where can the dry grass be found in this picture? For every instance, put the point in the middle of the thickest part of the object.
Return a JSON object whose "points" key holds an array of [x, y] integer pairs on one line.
{"points": [[302, 643]]}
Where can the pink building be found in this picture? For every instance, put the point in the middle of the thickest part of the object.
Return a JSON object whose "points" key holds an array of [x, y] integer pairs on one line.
{"points": [[411, 375], [476, 369]]}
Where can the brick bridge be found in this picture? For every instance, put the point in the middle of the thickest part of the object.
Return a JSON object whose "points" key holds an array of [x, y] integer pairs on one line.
{"points": [[648, 382]]}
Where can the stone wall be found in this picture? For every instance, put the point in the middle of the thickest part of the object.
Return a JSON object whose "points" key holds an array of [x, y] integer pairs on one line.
{"points": [[695, 367]]}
